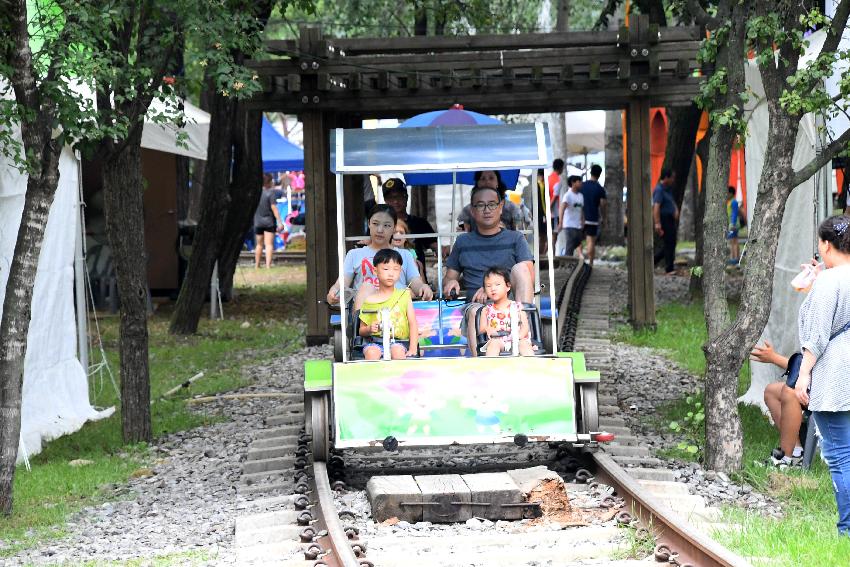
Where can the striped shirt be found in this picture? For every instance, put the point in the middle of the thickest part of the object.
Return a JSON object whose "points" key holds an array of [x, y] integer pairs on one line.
{"points": [[826, 310]]}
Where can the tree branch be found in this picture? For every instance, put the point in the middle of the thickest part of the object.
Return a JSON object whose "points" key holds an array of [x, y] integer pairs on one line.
{"points": [[829, 152], [608, 11], [836, 29], [701, 16]]}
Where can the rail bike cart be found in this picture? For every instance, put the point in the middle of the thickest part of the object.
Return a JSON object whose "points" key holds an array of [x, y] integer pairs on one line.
{"points": [[446, 396]]}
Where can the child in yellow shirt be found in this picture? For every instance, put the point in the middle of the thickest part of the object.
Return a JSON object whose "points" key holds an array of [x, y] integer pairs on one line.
{"points": [[404, 333]]}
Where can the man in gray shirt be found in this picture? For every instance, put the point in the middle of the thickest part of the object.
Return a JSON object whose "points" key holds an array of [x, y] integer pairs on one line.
{"points": [[486, 247]]}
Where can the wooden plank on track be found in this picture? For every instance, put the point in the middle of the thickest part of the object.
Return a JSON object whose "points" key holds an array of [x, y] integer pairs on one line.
{"points": [[440, 491], [386, 494], [495, 489]]}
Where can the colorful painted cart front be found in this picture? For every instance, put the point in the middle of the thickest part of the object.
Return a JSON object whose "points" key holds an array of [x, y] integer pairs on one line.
{"points": [[446, 396], [421, 402]]}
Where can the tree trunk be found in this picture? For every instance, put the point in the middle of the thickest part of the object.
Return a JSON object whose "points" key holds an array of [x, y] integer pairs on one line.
{"points": [[420, 19], [17, 306], [723, 434], [724, 440], [123, 188], [215, 200], [612, 229], [183, 186], [244, 194], [686, 218], [683, 124], [562, 19], [558, 130], [701, 152]]}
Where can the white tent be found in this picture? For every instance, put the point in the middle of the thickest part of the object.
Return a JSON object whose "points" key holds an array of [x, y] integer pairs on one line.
{"points": [[808, 204], [585, 132], [55, 392]]}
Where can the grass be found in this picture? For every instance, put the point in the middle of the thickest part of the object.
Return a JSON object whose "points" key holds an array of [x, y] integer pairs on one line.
{"points": [[637, 544], [806, 534], [187, 559], [263, 320]]}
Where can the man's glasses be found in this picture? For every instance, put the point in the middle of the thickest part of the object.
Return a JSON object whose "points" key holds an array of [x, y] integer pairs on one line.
{"points": [[490, 206]]}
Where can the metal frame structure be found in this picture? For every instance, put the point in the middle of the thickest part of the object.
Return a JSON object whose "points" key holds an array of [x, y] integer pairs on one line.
{"points": [[542, 160]]}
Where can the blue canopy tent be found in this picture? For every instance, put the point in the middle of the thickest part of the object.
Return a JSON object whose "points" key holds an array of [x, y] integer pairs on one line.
{"points": [[279, 154]]}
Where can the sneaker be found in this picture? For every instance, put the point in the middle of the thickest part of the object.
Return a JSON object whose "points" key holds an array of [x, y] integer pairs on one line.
{"points": [[783, 462]]}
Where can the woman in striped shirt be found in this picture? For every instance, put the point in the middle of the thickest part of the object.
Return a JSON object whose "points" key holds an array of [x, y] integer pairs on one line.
{"points": [[824, 326]]}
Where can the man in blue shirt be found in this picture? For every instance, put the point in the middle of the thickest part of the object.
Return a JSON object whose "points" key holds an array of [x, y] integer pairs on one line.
{"points": [[594, 209], [665, 214], [487, 246]]}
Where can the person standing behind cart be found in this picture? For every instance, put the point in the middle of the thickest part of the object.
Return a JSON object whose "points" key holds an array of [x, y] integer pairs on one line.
{"points": [[732, 213], [267, 220], [595, 204], [571, 216], [396, 195], [488, 245], [511, 218], [665, 215], [358, 270]]}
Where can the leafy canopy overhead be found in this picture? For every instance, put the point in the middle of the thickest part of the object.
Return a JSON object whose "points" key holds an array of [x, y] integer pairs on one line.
{"points": [[777, 41], [388, 18], [100, 64]]}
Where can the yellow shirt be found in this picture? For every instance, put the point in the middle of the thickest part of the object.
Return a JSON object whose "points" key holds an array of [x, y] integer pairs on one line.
{"points": [[397, 304]]}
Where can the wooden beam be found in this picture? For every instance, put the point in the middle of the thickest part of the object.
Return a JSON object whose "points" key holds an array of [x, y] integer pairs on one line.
{"points": [[436, 62], [321, 232], [640, 236], [491, 97], [484, 42]]}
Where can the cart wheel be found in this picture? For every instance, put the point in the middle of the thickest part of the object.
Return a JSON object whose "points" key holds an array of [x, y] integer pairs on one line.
{"points": [[338, 346], [317, 411], [546, 331], [589, 408]]}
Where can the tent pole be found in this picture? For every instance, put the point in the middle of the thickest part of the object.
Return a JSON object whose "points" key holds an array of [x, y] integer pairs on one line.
{"points": [[214, 293], [550, 256], [340, 221], [453, 223], [80, 276]]}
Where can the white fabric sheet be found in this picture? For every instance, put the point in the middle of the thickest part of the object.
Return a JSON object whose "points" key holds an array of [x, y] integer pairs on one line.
{"points": [[55, 392], [797, 238], [163, 137]]}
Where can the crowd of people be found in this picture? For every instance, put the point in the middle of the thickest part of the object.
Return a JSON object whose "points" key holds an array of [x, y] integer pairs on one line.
{"points": [[489, 260]]}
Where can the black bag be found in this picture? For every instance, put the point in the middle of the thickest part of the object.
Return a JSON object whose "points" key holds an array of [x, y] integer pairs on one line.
{"points": [[792, 371]]}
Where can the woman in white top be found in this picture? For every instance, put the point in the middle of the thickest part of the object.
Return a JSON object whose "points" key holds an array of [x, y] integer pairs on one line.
{"points": [[358, 269], [825, 340]]}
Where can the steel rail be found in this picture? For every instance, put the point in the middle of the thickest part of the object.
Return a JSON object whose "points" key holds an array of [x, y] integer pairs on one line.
{"points": [[336, 542], [687, 545]]}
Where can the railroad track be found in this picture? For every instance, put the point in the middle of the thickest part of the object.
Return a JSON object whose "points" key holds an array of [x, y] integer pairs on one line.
{"points": [[315, 532]]}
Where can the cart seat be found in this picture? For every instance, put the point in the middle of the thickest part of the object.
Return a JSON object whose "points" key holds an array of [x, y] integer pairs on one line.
{"points": [[439, 330], [535, 329]]}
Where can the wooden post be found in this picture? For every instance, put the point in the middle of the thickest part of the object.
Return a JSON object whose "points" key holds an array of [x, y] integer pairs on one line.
{"points": [[321, 231], [640, 240]]}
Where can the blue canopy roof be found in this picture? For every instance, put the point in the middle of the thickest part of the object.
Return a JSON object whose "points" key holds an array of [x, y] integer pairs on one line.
{"points": [[441, 149], [279, 154]]}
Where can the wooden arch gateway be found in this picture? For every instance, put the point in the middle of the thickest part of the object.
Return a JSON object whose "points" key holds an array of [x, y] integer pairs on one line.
{"points": [[331, 83]]}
